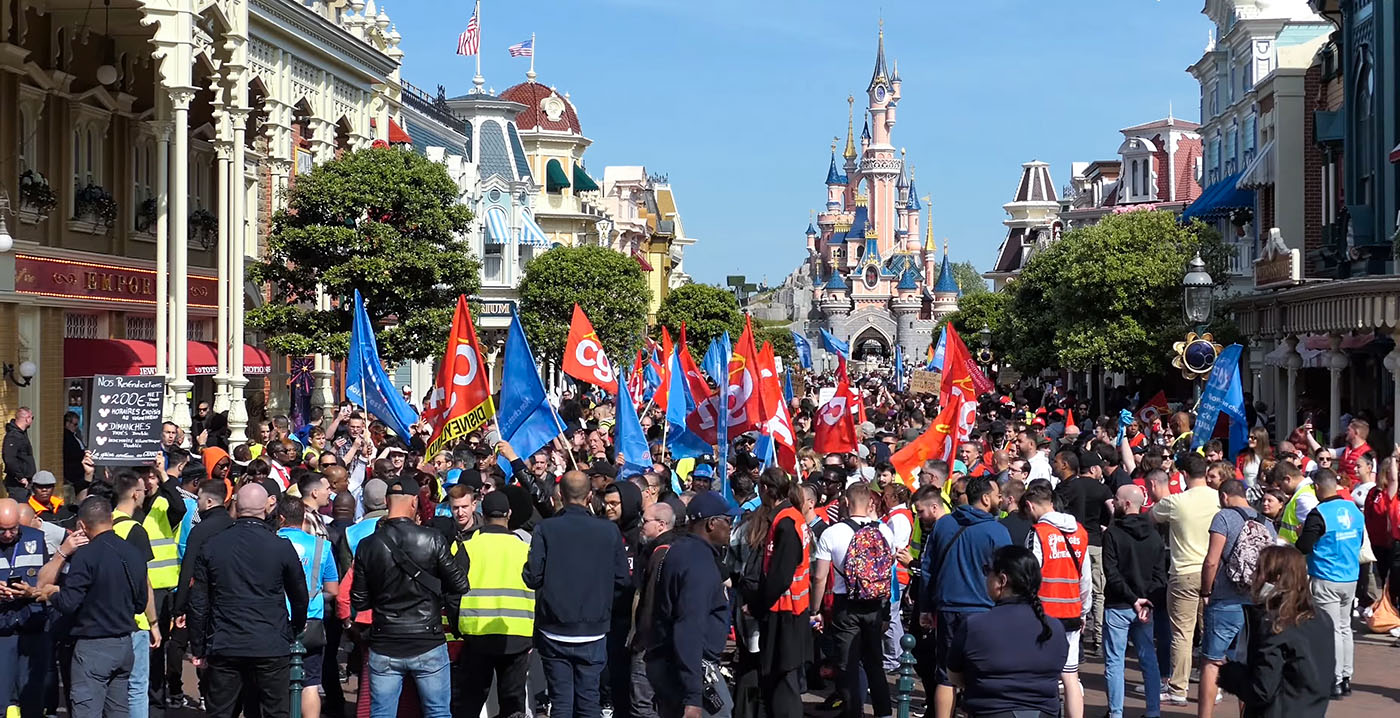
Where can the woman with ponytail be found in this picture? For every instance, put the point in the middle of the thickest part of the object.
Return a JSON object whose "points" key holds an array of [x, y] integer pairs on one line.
{"points": [[780, 598], [1009, 659]]}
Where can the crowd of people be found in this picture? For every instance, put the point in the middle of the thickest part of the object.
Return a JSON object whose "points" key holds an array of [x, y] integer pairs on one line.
{"points": [[476, 581]]}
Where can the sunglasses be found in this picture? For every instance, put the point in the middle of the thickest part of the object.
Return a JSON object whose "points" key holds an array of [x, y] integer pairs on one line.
{"points": [[327, 464]]}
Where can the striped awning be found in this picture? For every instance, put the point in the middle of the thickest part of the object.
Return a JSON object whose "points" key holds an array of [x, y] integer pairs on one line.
{"points": [[497, 226], [1260, 172], [534, 236]]}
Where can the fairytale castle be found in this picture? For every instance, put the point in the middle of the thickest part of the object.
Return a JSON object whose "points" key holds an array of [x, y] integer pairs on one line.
{"points": [[877, 280]]}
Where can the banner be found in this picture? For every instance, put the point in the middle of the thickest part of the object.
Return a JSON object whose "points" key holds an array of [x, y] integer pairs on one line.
{"points": [[584, 358], [899, 368], [680, 440], [1154, 409], [527, 420], [632, 450], [124, 425], [835, 346], [1223, 394], [939, 442], [461, 401], [804, 350], [366, 382], [836, 428], [936, 351]]}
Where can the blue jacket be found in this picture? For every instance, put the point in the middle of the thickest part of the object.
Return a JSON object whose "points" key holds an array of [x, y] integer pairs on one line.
{"points": [[356, 532], [690, 619], [968, 537], [1331, 538], [574, 590], [22, 560]]}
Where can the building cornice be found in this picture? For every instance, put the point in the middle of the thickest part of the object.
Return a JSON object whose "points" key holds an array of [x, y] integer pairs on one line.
{"points": [[300, 22]]}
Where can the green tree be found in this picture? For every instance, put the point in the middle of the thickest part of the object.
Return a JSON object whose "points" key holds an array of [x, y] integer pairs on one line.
{"points": [[607, 285], [706, 311], [978, 310], [781, 338], [1108, 295], [969, 280], [384, 221]]}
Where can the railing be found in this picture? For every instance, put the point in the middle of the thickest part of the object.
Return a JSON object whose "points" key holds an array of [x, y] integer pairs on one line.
{"points": [[1241, 259], [430, 105]]}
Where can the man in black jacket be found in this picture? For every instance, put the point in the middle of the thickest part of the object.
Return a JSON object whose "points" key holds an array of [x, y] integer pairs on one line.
{"points": [[237, 612], [690, 619], [573, 598], [18, 455], [214, 517], [74, 473], [403, 572], [1135, 567]]}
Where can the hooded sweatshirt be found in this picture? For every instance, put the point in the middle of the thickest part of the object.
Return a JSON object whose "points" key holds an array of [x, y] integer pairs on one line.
{"points": [[1134, 561], [967, 537], [630, 523], [1067, 523]]}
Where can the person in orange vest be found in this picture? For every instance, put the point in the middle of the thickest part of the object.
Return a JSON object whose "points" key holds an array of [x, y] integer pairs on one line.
{"points": [[782, 601], [1066, 579], [900, 519]]}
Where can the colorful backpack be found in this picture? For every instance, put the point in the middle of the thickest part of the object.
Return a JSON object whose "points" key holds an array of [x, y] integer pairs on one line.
{"points": [[1244, 557], [869, 566]]}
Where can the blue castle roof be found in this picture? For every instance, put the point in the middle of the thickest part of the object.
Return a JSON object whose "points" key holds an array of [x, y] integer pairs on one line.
{"points": [[913, 203], [909, 280], [857, 230], [835, 281], [833, 175], [946, 283]]}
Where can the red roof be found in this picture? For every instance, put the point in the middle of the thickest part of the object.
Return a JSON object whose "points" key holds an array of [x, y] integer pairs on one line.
{"points": [[532, 95], [397, 136]]}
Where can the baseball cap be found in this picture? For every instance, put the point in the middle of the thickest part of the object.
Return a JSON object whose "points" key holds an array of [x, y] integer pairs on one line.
{"points": [[707, 505], [403, 487], [959, 467], [496, 505], [44, 478], [602, 468], [703, 471], [1089, 459]]}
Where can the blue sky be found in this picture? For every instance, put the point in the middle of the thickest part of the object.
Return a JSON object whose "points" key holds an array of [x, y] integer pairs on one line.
{"points": [[738, 101]]}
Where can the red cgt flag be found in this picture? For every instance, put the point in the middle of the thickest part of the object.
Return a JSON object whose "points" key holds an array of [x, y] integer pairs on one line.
{"points": [[960, 375], [461, 401], [745, 411], [584, 358], [776, 422], [939, 442], [1154, 409], [836, 428]]}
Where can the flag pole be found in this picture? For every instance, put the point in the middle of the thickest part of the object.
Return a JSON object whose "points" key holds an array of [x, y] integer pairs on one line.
{"points": [[478, 80], [531, 74]]}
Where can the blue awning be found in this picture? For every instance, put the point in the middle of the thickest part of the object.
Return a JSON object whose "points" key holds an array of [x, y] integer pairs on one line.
{"points": [[1219, 198], [533, 235], [497, 226]]}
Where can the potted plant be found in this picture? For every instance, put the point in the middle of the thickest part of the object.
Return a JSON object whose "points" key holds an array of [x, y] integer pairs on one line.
{"points": [[146, 215], [96, 202], [203, 228], [35, 194]]}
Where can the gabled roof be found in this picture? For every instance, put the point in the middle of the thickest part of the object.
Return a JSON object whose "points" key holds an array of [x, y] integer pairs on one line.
{"points": [[857, 230], [908, 280], [947, 284]]}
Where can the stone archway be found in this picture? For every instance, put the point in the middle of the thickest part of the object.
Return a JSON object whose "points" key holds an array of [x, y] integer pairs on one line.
{"points": [[870, 344]]}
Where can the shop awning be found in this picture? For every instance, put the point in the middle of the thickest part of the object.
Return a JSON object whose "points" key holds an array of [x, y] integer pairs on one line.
{"points": [[1219, 198], [642, 260], [1260, 172], [497, 226], [582, 182], [533, 236], [134, 357], [554, 177], [397, 135]]}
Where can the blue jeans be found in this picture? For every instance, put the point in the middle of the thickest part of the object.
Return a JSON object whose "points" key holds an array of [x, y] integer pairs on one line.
{"points": [[573, 671], [430, 673], [139, 684], [1120, 625]]}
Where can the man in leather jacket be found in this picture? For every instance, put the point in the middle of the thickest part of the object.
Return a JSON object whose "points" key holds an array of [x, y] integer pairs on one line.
{"points": [[403, 572]]}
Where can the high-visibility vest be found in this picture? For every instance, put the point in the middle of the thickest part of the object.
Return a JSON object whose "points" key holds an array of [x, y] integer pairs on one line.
{"points": [[164, 566], [901, 573], [499, 603], [121, 524], [1289, 524], [797, 599], [1062, 563]]}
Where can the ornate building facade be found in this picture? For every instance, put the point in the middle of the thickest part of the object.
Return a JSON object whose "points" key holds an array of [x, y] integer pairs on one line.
{"points": [[877, 279]]}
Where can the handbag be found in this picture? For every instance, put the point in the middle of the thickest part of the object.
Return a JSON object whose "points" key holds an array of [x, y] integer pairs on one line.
{"points": [[1383, 617], [313, 637], [1368, 555]]}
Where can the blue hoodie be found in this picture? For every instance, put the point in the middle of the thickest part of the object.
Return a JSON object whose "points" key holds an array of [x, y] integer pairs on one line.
{"points": [[960, 586]]}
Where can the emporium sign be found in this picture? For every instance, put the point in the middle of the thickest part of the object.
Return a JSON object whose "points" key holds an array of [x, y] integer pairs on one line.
{"points": [[50, 277]]}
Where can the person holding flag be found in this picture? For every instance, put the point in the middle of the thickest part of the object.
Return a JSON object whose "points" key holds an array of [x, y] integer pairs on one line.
{"points": [[461, 402]]}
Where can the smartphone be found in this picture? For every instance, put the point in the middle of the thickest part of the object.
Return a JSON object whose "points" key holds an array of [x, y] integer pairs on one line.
{"points": [[15, 581]]}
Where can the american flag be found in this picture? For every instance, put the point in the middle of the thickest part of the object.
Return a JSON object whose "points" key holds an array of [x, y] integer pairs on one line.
{"points": [[469, 41], [523, 49]]}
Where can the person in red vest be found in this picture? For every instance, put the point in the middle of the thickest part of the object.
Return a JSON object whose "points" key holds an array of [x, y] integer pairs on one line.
{"points": [[782, 601], [1066, 584], [900, 518]]}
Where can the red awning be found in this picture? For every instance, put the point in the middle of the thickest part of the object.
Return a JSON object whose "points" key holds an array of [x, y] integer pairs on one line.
{"points": [[397, 136], [642, 260], [133, 357]]}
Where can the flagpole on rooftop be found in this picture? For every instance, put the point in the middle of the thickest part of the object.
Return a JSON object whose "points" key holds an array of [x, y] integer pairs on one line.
{"points": [[478, 80], [531, 74]]}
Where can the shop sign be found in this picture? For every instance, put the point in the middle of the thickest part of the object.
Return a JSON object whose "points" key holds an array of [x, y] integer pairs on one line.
{"points": [[1277, 265], [50, 277], [494, 307]]}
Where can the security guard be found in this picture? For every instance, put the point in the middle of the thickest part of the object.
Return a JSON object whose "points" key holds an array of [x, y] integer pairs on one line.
{"points": [[164, 511], [496, 618], [23, 648], [1302, 502], [130, 492]]}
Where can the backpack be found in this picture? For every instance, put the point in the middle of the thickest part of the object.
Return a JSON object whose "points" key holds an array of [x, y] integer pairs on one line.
{"points": [[869, 565], [1244, 557]]}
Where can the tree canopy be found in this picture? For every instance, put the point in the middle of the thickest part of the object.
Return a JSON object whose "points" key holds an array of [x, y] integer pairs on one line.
{"points": [[969, 280], [980, 310], [706, 311], [607, 285], [781, 338], [1107, 295], [384, 221]]}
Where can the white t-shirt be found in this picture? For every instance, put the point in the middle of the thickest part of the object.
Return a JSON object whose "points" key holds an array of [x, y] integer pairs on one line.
{"points": [[834, 542], [901, 529], [1040, 469]]}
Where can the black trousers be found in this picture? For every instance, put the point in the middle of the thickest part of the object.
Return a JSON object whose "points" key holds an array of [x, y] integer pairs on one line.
{"points": [[267, 681], [782, 693], [471, 682], [160, 671], [858, 628], [334, 702]]}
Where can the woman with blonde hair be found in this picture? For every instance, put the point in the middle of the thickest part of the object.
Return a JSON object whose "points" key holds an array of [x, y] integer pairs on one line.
{"points": [[1286, 671]]}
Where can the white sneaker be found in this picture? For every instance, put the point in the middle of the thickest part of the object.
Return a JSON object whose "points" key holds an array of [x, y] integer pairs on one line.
{"points": [[1173, 699], [1219, 696]]}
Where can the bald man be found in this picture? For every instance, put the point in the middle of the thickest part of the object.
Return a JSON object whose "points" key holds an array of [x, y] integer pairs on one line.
{"points": [[237, 615], [1135, 570], [24, 646]]}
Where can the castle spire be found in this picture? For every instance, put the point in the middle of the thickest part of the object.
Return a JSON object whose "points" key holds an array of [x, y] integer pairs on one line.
{"points": [[880, 74], [930, 245], [850, 153]]}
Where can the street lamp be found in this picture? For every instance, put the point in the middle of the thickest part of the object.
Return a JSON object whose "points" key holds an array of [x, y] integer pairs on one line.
{"points": [[6, 241], [1197, 292]]}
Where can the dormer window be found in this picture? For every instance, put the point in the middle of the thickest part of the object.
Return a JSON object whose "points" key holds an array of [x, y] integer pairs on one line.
{"points": [[1137, 153]]}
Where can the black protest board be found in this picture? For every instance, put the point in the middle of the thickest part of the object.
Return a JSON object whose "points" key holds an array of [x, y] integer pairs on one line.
{"points": [[124, 419]]}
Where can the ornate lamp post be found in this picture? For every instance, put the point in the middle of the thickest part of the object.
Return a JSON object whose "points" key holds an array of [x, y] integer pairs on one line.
{"points": [[1196, 355]]}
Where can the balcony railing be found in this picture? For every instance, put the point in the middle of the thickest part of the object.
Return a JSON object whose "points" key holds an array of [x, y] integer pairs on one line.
{"points": [[1241, 259]]}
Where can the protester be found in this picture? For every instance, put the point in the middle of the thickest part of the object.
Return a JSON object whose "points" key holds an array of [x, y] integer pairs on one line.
{"points": [[1061, 546], [1135, 568], [18, 455], [782, 602], [24, 647], [1086, 498], [322, 582], [1331, 539], [1188, 517]]}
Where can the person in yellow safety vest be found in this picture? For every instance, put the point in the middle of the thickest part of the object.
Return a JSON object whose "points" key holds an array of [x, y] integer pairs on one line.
{"points": [[496, 618], [1304, 499], [164, 511], [130, 491]]}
